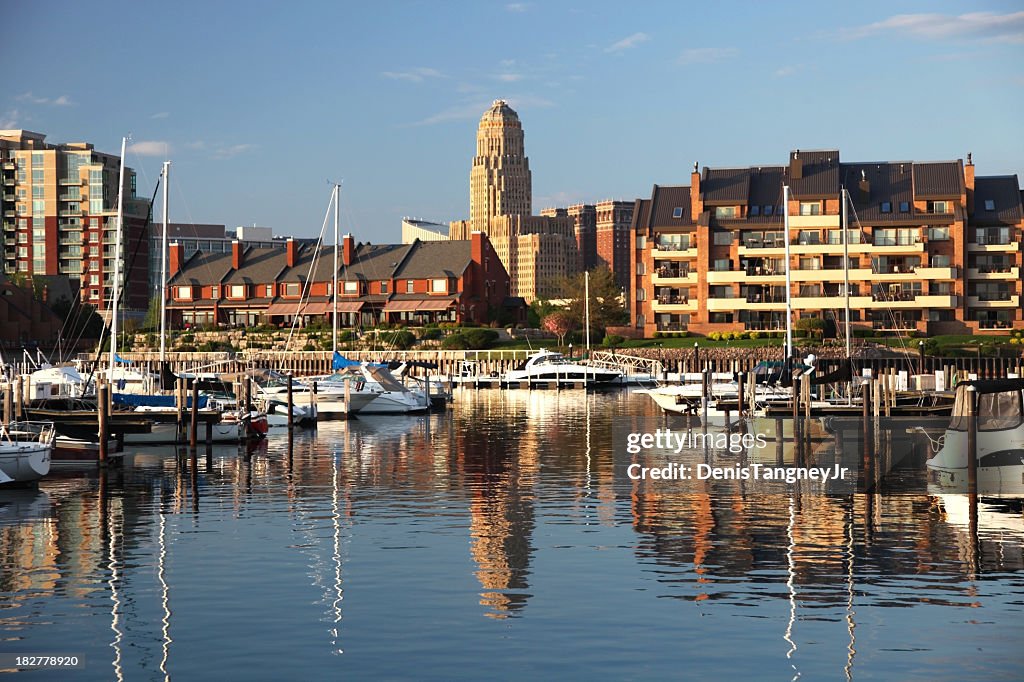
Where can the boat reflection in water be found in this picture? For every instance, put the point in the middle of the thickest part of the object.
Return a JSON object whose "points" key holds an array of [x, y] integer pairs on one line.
{"points": [[508, 522]]}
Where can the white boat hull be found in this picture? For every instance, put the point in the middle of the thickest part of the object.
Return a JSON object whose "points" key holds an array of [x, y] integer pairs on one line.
{"points": [[24, 462]]}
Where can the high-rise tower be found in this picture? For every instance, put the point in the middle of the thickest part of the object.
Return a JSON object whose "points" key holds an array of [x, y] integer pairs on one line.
{"points": [[500, 182]]}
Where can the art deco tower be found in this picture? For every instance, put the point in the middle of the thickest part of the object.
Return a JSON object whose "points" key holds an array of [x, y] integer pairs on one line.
{"points": [[499, 183]]}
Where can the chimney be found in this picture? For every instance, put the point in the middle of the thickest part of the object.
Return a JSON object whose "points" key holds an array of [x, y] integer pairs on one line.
{"points": [[796, 166], [236, 255], [175, 258], [696, 202], [348, 249], [291, 252], [969, 183], [864, 186], [477, 247]]}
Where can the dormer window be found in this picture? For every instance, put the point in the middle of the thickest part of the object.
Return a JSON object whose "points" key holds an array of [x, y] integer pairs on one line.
{"points": [[677, 212], [768, 209], [725, 211], [904, 207], [439, 286], [755, 211], [886, 207], [990, 205], [184, 293], [351, 288], [937, 207]]}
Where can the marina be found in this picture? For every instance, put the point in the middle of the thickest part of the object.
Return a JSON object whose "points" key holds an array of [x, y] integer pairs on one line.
{"points": [[511, 521]]}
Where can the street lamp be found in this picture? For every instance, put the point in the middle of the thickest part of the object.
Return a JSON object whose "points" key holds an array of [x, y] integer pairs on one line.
{"points": [[696, 356], [570, 351], [920, 355]]}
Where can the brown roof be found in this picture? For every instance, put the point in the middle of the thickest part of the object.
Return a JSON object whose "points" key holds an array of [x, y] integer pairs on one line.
{"points": [[641, 215], [939, 180], [203, 268], [725, 186], [1004, 193], [431, 259], [888, 182], [663, 204], [766, 190], [819, 176], [259, 266]]}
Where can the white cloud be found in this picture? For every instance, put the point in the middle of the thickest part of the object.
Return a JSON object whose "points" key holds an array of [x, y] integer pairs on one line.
{"points": [[10, 119], [161, 114], [628, 42], [786, 71], [706, 55], [196, 144], [517, 6], [417, 75], [232, 151], [61, 101], [509, 77], [150, 148], [984, 26]]}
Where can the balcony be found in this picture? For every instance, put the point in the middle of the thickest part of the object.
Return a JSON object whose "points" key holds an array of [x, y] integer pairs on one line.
{"points": [[812, 222], [71, 240], [67, 182], [10, 197], [993, 246], [875, 302], [677, 276], [994, 301], [64, 213], [675, 250], [71, 197], [674, 304], [994, 273], [9, 182]]}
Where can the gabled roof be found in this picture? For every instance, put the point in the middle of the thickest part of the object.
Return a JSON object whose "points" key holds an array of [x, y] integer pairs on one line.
{"points": [[766, 190], [939, 180], [431, 259], [203, 268], [1004, 192], [259, 266], [641, 215], [375, 261]]}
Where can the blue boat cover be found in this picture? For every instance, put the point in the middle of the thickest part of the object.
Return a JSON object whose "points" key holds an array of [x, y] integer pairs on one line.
{"points": [[134, 400]]}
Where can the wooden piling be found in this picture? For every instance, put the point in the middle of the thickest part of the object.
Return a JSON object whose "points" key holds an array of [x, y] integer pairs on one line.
{"points": [[867, 433], [739, 395], [8, 404], [972, 440], [193, 426], [291, 416], [18, 396], [102, 417]]}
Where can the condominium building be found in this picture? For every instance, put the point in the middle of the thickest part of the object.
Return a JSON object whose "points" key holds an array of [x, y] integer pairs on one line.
{"points": [[59, 211], [931, 248], [423, 230], [208, 238], [537, 251]]}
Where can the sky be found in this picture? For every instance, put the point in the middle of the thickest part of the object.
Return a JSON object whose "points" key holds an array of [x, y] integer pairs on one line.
{"points": [[260, 105]]}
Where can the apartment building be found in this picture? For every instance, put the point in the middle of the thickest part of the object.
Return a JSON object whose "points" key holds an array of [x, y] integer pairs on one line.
{"points": [[931, 248], [59, 212]]}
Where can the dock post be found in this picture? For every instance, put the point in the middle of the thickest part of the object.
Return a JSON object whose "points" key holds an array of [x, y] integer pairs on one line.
{"points": [[18, 397], [209, 432], [291, 416], [194, 425], [866, 424], [248, 393], [102, 415], [8, 405], [179, 401], [313, 399], [797, 387], [972, 440], [739, 394]]}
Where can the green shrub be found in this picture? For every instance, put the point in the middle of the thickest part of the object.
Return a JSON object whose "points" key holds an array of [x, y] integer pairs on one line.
{"points": [[613, 340], [455, 342], [754, 335], [431, 333], [400, 340], [658, 335], [480, 339]]}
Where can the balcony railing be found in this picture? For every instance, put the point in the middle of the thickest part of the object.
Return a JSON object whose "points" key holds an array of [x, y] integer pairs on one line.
{"points": [[672, 327], [995, 324], [674, 300]]}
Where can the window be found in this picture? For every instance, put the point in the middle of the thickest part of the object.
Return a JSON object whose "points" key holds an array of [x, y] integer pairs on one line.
{"points": [[292, 289], [94, 280], [22, 252], [810, 264], [755, 211], [768, 209], [937, 207], [809, 237], [940, 288], [270, 291], [641, 294], [722, 265], [677, 212], [641, 269], [725, 211], [23, 237], [439, 286], [236, 291], [641, 242], [184, 293], [383, 287], [990, 205], [810, 208], [940, 261], [723, 238], [215, 291], [410, 286], [886, 207], [904, 207], [351, 287], [938, 234]]}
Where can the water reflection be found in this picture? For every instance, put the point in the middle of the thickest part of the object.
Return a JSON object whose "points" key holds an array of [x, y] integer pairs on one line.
{"points": [[356, 535]]}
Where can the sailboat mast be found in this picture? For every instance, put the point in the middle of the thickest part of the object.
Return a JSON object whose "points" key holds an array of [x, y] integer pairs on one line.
{"points": [[846, 270], [789, 280], [334, 288], [586, 311], [116, 286], [163, 272]]}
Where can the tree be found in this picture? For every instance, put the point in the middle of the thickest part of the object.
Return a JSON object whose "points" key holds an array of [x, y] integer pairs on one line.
{"points": [[811, 325], [152, 320], [606, 305], [559, 323]]}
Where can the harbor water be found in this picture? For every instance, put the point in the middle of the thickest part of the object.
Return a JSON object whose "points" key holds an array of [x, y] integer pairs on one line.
{"points": [[500, 539]]}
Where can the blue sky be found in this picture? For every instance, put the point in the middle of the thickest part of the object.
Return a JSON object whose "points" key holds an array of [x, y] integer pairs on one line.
{"points": [[258, 104]]}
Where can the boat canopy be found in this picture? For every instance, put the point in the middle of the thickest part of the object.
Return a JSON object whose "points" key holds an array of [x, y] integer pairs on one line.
{"points": [[385, 378], [1000, 404]]}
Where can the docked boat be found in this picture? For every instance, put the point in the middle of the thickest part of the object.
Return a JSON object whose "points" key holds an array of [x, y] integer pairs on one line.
{"points": [[389, 395], [25, 449], [547, 366], [999, 443]]}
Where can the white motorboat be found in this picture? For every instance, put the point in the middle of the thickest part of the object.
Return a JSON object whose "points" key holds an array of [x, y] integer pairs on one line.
{"points": [[25, 451], [999, 444], [56, 382], [165, 428], [329, 401], [548, 366], [390, 395]]}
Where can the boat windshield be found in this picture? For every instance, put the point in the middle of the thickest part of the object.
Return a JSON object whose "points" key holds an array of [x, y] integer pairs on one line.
{"points": [[996, 411], [386, 379]]}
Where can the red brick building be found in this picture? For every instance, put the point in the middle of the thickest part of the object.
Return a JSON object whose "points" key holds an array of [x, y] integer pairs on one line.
{"points": [[446, 281]]}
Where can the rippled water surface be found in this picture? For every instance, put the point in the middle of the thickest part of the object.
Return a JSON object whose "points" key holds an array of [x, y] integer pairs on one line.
{"points": [[500, 539]]}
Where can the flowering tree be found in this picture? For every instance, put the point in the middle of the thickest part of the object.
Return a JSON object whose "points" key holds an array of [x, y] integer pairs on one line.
{"points": [[559, 323]]}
